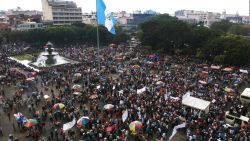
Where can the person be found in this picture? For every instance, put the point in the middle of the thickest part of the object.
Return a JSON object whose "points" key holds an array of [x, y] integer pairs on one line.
{"points": [[10, 137], [9, 115], [1, 131]]}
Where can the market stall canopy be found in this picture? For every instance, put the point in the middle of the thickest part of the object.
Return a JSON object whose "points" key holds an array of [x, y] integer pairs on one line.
{"points": [[246, 92], [196, 103]]}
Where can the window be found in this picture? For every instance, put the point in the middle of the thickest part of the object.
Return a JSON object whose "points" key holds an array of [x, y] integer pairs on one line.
{"points": [[245, 97], [229, 117]]}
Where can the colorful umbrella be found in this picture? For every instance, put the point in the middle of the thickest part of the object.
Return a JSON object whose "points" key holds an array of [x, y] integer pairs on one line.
{"points": [[108, 106], [77, 87], [58, 106], [18, 116], [151, 56], [82, 121], [119, 58], [135, 126], [215, 67], [202, 82], [228, 69], [46, 96], [77, 74], [136, 67], [77, 93], [30, 123], [30, 79], [93, 96], [109, 129], [228, 90], [112, 45]]}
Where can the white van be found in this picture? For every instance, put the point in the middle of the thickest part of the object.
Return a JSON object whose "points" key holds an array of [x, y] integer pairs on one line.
{"points": [[245, 96], [232, 119]]}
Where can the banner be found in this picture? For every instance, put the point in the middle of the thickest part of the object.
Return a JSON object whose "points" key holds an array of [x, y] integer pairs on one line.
{"points": [[175, 130], [142, 90], [125, 115], [69, 125]]}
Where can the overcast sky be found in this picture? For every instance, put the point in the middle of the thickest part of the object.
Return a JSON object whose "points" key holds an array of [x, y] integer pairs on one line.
{"points": [[162, 6]]}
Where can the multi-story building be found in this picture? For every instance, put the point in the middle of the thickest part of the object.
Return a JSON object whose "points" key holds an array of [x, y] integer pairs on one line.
{"points": [[3, 18], [132, 20], [61, 12], [27, 26], [195, 17], [17, 16], [89, 18], [246, 19], [233, 18], [4, 27]]}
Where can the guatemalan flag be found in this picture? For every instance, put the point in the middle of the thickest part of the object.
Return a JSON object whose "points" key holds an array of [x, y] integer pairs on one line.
{"points": [[104, 17]]}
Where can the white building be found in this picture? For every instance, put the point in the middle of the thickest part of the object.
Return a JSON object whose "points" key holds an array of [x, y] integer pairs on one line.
{"points": [[191, 16], [89, 18], [61, 12], [3, 18], [28, 26]]}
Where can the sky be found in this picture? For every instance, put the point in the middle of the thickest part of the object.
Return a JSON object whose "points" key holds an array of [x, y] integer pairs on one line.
{"points": [[162, 6]]}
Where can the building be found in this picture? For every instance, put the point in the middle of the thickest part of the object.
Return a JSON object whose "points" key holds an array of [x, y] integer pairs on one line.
{"points": [[4, 27], [130, 21], [61, 12], [197, 17], [89, 18], [19, 16], [3, 18], [233, 18], [246, 19], [27, 26]]}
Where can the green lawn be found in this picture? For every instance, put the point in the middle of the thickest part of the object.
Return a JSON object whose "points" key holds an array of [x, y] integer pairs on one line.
{"points": [[24, 57]]}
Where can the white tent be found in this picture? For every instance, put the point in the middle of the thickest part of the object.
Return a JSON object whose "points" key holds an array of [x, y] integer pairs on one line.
{"points": [[246, 92], [196, 103]]}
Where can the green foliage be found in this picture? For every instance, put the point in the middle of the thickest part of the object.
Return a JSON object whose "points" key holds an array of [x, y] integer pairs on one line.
{"points": [[76, 33], [219, 59], [200, 55], [240, 29], [24, 57], [121, 36], [165, 34], [223, 25]]}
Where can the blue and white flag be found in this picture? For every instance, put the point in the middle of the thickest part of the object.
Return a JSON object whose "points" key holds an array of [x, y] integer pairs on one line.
{"points": [[104, 17]]}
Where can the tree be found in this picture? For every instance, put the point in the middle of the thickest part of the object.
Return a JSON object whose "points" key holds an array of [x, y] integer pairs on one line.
{"points": [[74, 34], [166, 33], [223, 25], [240, 29]]}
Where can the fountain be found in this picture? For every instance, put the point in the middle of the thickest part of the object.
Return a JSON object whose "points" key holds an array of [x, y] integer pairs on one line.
{"points": [[49, 58]]}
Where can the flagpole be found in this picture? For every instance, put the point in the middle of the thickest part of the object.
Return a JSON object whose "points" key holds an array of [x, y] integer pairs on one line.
{"points": [[98, 42]]}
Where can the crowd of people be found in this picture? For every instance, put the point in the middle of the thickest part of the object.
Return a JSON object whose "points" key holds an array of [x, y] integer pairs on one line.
{"points": [[147, 86]]}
